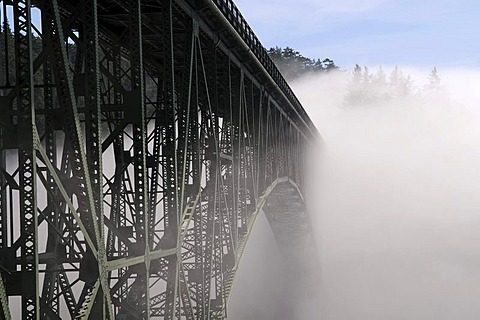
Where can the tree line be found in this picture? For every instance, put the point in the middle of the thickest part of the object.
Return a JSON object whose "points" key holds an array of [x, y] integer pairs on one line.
{"points": [[366, 87], [293, 65]]}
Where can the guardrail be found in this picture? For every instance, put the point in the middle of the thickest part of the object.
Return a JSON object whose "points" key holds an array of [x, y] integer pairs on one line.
{"points": [[233, 15]]}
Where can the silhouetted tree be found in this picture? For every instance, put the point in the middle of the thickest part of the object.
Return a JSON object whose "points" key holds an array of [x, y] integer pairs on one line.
{"points": [[434, 80], [329, 65], [293, 65], [275, 53], [357, 74]]}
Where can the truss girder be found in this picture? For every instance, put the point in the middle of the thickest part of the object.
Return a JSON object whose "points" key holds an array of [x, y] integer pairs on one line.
{"points": [[139, 139]]}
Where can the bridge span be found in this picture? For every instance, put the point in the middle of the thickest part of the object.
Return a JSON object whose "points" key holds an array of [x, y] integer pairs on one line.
{"points": [[139, 139]]}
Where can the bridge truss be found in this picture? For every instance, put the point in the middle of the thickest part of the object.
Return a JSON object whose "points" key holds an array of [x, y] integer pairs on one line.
{"points": [[138, 142]]}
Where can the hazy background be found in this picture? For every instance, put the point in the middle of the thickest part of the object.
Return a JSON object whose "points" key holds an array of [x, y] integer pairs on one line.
{"points": [[396, 208]]}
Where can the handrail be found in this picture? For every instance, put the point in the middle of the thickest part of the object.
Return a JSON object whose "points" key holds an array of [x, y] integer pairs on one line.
{"points": [[238, 22]]}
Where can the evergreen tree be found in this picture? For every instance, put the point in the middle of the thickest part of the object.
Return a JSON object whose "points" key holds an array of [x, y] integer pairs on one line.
{"points": [[380, 77], [275, 53], [434, 80], [357, 74], [406, 86], [368, 88], [329, 65], [381, 85], [318, 65], [395, 76], [292, 64], [356, 93], [400, 85]]}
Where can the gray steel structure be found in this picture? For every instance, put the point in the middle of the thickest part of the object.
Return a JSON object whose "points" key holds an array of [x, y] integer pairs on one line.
{"points": [[139, 139]]}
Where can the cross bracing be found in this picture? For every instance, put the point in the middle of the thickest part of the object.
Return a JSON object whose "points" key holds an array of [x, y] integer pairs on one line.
{"points": [[138, 142]]}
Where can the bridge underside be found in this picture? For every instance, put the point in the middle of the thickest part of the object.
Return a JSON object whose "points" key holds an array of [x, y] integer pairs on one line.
{"points": [[293, 288], [138, 140], [287, 215]]}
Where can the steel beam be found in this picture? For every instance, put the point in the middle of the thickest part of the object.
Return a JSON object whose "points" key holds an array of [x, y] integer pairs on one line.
{"points": [[139, 141]]}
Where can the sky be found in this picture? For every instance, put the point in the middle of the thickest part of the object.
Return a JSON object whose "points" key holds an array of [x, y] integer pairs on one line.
{"points": [[424, 33], [413, 33]]}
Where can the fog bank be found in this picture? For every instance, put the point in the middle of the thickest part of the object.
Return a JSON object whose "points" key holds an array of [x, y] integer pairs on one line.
{"points": [[398, 209], [395, 200]]}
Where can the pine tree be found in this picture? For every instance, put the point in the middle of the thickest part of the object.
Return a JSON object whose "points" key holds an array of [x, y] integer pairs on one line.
{"points": [[329, 65], [275, 53], [380, 77], [292, 64], [380, 84], [399, 84], [395, 77], [434, 80], [318, 66], [357, 74], [367, 88], [356, 89]]}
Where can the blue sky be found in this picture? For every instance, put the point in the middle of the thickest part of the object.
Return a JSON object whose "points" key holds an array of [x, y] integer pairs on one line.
{"points": [[422, 33]]}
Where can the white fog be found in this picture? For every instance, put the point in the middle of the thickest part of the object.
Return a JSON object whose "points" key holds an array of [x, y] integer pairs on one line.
{"points": [[396, 207]]}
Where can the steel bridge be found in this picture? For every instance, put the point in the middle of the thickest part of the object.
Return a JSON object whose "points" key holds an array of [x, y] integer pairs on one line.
{"points": [[139, 139]]}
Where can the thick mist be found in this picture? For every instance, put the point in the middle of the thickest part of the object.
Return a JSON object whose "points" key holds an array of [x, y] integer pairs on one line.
{"points": [[395, 199], [398, 210]]}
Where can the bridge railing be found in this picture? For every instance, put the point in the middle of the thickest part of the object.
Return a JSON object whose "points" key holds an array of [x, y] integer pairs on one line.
{"points": [[233, 15]]}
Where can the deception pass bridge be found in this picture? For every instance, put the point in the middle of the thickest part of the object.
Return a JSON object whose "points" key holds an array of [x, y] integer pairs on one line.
{"points": [[139, 139]]}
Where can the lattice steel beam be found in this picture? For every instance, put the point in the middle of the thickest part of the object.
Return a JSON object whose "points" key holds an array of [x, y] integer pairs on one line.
{"points": [[139, 140]]}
